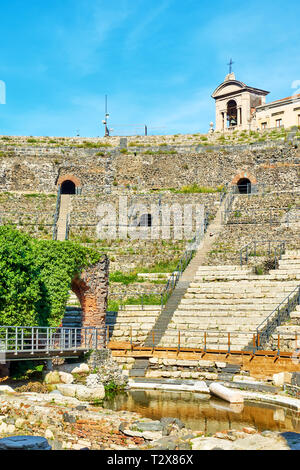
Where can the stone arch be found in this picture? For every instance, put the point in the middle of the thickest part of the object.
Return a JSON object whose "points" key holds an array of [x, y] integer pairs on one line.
{"points": [[244, 175], [73, 179], [91, 289]]}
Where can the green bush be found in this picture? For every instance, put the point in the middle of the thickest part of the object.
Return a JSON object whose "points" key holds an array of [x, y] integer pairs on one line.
{"points": [[36, 276]]}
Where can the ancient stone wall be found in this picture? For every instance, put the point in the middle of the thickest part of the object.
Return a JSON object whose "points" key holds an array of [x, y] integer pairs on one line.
{"points": [[91, 288], [41, 167]]}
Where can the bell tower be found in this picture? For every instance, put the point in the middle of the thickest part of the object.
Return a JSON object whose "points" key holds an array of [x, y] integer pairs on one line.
{"points": [[236, 104]]}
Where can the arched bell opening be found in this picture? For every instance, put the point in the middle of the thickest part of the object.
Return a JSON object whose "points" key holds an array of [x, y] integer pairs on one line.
{"points": [[232, 113]]}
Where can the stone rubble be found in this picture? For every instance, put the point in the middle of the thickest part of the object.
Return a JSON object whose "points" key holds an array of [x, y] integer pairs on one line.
{"points": [[68, 423]]}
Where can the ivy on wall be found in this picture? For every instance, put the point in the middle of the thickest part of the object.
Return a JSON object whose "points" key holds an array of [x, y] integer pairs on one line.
{"points": [[36, 276]]}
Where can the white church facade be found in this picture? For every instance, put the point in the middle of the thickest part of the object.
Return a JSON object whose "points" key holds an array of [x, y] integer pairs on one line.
{"points": [[241, 107]]}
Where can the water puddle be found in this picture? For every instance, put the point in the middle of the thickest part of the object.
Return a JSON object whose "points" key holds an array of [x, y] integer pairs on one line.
{"points": [[202, 413]]}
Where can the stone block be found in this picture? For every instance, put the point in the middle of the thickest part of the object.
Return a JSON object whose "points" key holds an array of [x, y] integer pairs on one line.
{"points": [[24, 443], [296, 379], [282, 378], [66, 378], [6, 389], [220, 365], [52, 378], [203, 363], [153, 360], [67, 390]]}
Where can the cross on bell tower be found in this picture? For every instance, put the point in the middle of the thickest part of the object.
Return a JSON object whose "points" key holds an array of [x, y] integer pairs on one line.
{"points": [[230, 65]]}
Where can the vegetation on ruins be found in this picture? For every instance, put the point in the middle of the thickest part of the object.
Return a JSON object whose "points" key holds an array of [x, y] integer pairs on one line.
{"points": [[36, 276]]}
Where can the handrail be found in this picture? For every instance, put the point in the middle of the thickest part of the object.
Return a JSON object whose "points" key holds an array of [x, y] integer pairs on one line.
{"points": [[227, 207], [56, 214], [181, 266], [203, 340], [184, 261], [38, 339], [67, 227], [281, 315], [254, 243]]}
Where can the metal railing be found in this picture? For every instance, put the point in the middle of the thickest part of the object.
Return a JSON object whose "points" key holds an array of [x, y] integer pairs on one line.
{"points": [[32, 340], [279, 315], [263, 189], [56, 214], [271, 216], [177, 273], [251, 249], [206, 341], [67, 227], [227, 207]]}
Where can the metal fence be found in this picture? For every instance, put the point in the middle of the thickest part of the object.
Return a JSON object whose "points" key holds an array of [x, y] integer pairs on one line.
{"points": [[32, 340], [56, 215], [210, 341], [274, 248], [180, 268], [279, 315], [256, 216]]}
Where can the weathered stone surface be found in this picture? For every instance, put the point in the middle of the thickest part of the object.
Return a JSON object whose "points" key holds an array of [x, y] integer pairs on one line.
{"points": [[69, 390], [86, 393], [24, 443], [66, 378], [108, 369], [52, 377], [148, 426], [49, 434], [6, 389], [282, 378], [232, 396]]}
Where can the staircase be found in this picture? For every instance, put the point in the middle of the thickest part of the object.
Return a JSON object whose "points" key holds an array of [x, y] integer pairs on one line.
{"points": [[224, 299], [173, 302], [72, 318], [63, 216]]}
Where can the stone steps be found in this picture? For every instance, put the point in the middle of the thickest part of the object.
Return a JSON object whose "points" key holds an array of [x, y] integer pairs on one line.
{"points": [[237, 303], [234, 298]]}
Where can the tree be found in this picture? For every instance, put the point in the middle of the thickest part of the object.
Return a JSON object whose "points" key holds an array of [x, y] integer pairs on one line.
{"points": [[20, 288], [36, 276]]}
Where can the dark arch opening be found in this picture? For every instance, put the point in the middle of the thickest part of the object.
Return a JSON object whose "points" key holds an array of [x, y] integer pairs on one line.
{"points": [[145, 221], [232, 113], [244, 186], [68, 187]]}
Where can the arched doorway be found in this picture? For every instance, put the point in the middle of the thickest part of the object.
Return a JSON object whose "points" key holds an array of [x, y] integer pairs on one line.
{"points": [[232, 114], [244, 186], [145, 221], [68, 187]]}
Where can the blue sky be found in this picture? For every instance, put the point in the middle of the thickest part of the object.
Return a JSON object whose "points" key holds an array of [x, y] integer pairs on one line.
{"points": [[157, 60]]}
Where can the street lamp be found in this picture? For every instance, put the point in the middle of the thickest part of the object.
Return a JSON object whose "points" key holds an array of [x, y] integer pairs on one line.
{"points": [[105, 121]]}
